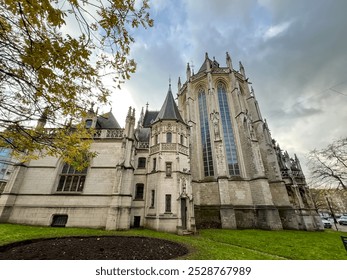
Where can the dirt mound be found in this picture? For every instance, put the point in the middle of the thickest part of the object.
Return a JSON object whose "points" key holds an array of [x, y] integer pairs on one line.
{"points": [[93, 248]]}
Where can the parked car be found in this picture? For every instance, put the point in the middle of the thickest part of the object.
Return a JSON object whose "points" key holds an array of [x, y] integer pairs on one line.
{"points": [[342, 220], [326, 223]]}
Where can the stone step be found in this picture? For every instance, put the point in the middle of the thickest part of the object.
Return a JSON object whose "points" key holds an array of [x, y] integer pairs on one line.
{"points": [[187, 232]]}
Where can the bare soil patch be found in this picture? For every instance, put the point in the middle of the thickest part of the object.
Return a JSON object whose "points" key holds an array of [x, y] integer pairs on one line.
{"points": [[93, 248]]}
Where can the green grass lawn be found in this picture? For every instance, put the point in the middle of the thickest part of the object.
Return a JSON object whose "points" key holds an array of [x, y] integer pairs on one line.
{"points": [[215, 244]]}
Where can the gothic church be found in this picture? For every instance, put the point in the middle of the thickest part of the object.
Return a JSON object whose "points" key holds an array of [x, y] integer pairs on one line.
{"points": [[207, 161]]}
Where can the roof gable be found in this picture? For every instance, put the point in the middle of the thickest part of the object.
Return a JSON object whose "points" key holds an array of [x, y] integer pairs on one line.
{"points": [[149, 118], [108, 121]]}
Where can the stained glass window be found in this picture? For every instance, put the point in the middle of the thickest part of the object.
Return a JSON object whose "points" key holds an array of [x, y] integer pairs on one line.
{"points": [[205, 135], [230, 146]]}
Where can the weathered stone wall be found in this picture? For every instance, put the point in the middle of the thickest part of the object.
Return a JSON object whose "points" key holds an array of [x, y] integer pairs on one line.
{"points": [[93, 217], [279, 194], [239, 193], [206, 193], [36, 199], [207, 216]]}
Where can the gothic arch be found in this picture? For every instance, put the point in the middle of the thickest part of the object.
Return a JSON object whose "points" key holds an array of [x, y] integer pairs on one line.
{"points": [[223, 81], [201, 86]]}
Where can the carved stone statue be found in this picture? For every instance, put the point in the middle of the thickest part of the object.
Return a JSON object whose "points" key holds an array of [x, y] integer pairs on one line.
{"points": [[215, 121]]}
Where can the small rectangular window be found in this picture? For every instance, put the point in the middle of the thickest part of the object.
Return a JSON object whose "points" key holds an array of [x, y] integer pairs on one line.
{"points": [[154, 164], [141, 162], [59, 220], [168, 169], [139, 191], [169, 137], [168, 203], [152, 198], [2, 186]]}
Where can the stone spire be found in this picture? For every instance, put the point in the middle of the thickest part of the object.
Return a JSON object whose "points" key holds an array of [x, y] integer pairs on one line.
{"points": [[140, 122], [242, 70], [229, 62], [189, 73], [207, 62]]}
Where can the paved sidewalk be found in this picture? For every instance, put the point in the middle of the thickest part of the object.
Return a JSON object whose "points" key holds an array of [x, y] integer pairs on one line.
{"points": [[340, 228]]}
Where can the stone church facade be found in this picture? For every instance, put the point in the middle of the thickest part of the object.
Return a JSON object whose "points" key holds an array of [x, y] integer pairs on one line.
{"points": [[207, 161]]}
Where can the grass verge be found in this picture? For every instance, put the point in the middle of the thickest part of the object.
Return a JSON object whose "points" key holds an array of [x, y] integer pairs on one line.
{"points": [[214, 244]]}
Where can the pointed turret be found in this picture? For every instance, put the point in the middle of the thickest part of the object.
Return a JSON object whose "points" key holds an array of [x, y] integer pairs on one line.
{"points": [[242, 70], [189, 73], [297, 162], [228, 61], [252, 92], [130, 123], [208, 63], [140, 122], [169, 110]]}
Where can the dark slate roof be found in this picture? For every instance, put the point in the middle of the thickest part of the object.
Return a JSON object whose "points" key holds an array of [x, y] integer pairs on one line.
{"points": [[149, 118], [169, 110], [108, 121], [143, 134]]}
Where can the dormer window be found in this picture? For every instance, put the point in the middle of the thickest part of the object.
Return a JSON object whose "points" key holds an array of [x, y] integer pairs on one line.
{"points": [[89, 123]]}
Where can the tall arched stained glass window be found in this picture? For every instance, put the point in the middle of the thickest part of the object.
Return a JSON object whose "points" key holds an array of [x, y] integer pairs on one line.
{"points": [[229, 140], [205, 135]]}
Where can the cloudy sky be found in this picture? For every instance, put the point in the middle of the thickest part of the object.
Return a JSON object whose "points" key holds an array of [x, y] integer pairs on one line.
{"points": [[294, 53]]}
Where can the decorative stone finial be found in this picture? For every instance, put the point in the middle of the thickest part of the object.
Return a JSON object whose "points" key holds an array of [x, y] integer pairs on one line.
{"points": [[228, 60], [242, 70], [188, 71]]}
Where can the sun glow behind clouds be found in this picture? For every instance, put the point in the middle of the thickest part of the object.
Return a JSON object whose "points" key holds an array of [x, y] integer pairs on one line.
{"points": [[276, 30]]}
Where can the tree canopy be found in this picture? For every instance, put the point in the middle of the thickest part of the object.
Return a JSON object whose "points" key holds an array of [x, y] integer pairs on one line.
{"points": [[329, 165], [53, 58]]}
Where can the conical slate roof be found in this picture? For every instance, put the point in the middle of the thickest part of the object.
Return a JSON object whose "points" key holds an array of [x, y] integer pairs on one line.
{"points": [[169, 110]]}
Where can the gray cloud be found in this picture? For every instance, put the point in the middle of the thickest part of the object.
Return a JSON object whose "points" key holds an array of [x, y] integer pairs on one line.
{"points": [[294, 52]]}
